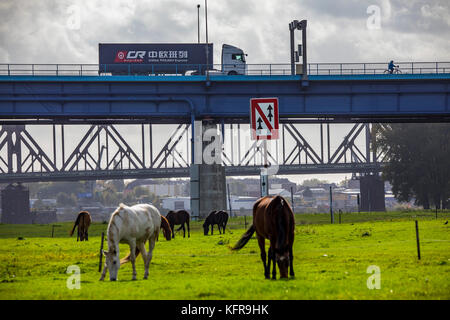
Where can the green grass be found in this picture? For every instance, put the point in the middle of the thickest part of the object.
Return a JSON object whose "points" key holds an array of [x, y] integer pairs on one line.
{"points": [[330, 262]]}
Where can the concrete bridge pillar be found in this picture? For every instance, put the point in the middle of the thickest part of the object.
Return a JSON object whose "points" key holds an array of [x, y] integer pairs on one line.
{"points": [[372, 193], [208, 180]]}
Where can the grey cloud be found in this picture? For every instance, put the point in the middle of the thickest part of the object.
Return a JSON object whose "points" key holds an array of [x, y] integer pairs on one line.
{"points": [[37, 32]]}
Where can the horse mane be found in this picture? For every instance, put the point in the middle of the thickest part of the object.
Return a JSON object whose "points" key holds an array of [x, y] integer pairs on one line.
{"points": [[166, 227]]}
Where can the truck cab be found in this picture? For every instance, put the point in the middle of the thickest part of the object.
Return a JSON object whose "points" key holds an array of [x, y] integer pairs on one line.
{"points": [[233, 60]]}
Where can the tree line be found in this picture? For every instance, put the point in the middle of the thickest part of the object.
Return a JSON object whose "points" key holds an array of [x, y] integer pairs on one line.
{"points": [[418, 157]]}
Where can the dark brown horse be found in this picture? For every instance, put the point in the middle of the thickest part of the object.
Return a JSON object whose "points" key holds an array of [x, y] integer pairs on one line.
{"points": [[83, 222], [215, 217], [179, 217], [273, 219]]}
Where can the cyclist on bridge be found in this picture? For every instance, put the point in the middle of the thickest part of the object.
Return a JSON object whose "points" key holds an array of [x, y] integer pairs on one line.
{"points": [[391, 66]]}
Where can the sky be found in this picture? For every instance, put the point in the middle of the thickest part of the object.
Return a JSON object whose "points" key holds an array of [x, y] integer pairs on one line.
{"points": [[68, 31]]}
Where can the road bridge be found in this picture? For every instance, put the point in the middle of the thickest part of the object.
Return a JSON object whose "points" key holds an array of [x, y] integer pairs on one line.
{"points": [[342, 95]]}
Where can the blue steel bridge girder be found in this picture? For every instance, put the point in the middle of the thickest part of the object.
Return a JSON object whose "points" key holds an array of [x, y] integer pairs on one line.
{"points": [[103, 152], [102, 101], [175, 99]]}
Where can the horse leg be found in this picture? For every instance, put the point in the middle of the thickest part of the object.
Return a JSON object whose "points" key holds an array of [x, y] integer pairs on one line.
{"points": [[133, 257], [262, 248], [189, 232], [141, 248], [151, 246], [212, 228], [102, 277], [218, 226], [184, 231], [291, 262], [274, 270]]}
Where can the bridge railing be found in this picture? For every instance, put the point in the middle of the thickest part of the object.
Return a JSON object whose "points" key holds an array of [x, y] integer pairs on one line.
{"points": [[377, 68], [251, 69]]}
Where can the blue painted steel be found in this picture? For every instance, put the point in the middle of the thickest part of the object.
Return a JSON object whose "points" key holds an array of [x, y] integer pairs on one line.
{"points": [[172, 98]]}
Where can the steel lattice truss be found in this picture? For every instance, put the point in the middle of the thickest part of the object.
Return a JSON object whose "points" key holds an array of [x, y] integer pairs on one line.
{"points": [[105, 151]]}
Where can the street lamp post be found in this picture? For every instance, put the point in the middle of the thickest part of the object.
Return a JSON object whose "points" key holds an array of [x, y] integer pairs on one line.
{"points": [[198, 23], [207, 44]]}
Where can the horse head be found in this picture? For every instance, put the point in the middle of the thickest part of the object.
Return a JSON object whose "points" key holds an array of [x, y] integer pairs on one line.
{"points": [[112, 263], [209, 220], [167, 231]]}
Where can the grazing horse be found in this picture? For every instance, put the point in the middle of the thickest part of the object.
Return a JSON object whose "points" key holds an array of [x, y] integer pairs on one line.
{"points": [[273, 219], [134, 226], [179, 217], [215, 217], [83, 221]]}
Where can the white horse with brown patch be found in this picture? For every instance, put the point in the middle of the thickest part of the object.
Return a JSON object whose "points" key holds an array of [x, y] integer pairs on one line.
{"points": [[134, 226]]}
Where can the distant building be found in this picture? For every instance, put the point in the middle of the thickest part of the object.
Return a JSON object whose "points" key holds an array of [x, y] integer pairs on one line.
{"points": [[176, 203], [242, 203], [279, 192]]}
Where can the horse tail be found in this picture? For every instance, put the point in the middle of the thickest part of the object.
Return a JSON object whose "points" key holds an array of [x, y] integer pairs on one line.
{"points": [[75, 224], [244, 239], [128, 257]]}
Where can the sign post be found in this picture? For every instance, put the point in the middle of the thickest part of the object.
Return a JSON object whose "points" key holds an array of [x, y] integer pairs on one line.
{"points": [[264, 124]]}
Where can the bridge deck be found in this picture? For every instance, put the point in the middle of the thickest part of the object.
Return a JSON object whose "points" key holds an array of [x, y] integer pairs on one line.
{"points": [[223, 78]]}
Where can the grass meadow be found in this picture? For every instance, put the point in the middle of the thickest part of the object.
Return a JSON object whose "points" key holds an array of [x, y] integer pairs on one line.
{"points": [[330, 262]]}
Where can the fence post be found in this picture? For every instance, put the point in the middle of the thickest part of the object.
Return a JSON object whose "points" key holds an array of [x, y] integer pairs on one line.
{"points": [[229, 200], [331, 205], [292, 199], [53, 229], [101, 253], [417, 239]]}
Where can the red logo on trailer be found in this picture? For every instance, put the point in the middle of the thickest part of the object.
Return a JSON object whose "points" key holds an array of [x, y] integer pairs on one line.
{"points": [[264, 118]]}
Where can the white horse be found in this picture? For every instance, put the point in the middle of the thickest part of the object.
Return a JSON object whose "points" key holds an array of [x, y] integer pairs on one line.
{"points": [[133, 225]]}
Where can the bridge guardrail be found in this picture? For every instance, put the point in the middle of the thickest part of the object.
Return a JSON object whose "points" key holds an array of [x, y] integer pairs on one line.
{"points": [[9, 69]]}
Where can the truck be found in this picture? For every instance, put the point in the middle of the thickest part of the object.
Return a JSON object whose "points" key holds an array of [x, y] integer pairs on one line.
{"points": [[168, 58]]}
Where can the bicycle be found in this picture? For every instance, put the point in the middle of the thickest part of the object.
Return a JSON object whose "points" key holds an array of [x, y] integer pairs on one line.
{"points": [[395, 71]]}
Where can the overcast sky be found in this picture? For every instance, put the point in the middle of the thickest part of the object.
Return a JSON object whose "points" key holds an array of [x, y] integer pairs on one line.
{"points": [[68, 31]]}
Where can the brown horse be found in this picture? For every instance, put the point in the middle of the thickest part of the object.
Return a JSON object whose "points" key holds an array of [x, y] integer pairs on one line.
{"points": [[179, 217], [83, 222], [215, 217], [273, 219]]}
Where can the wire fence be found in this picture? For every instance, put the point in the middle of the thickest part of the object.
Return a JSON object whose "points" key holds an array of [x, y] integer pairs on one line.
{"points": [[272, 69], [62, 229]]}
